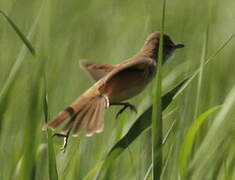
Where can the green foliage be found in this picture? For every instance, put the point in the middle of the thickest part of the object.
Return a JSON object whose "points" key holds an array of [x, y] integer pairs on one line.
{"points": [[189, 140], [195, 145], [157, 124], [19, 33], [52, 169]]}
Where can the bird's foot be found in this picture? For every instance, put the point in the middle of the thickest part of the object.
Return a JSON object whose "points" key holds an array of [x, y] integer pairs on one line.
{"points": [[125, 106], [66, 138]]}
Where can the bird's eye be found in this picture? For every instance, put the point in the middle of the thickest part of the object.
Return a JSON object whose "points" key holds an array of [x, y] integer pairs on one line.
{"points": [[170, 46]]}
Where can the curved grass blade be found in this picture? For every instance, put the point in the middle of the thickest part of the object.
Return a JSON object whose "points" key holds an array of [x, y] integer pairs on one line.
{"points": [[19, 33], [140, 125], [52, 170], [189, 139], [217, 138]]}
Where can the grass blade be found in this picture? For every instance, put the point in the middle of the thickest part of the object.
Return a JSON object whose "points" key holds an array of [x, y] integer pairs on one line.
{"points": [[189, 139], [157, 109], [202, 61], [200, 74], [19, 60], [19, 33], [52, 170], [166, 162], [147, 175], [30, 141]]}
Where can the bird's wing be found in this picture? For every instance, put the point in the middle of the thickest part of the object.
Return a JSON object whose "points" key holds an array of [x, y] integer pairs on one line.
{"points": [[97, 71], [132, 64]]}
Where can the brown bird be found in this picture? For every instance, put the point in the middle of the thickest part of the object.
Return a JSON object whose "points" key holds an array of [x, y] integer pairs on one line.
{"points": [[115, 83]]}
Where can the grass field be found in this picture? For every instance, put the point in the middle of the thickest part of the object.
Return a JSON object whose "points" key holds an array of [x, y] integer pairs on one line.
{"points": [[198, 126]]}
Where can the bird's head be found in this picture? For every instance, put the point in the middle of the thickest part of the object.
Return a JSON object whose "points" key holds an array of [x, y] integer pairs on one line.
{"points": [[152, 46]]}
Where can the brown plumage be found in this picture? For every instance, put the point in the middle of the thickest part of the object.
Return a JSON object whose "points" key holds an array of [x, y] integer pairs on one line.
{"points": [[115, 83]]}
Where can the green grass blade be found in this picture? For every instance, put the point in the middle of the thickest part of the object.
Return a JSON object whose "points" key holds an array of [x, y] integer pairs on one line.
{"points": [[19, 60], [168, 132], [148, 175], [30, 141], [189, 139], [200, 74], [166, 162], [52, 170], [19, 33], [157, 108], [202, 61]]}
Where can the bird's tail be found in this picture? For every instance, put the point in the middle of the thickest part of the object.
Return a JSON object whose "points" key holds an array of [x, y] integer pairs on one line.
{"points": [[86, 112]]}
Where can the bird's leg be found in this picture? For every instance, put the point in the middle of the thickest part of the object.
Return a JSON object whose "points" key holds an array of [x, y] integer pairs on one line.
{"points": [[125, 105], [66, 138]]}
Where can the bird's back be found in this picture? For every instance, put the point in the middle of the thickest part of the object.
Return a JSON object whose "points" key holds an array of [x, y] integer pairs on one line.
{"points": [[129, 80]]}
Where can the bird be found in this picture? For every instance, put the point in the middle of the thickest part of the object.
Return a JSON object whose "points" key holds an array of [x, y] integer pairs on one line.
{"points": [[114, 84]]}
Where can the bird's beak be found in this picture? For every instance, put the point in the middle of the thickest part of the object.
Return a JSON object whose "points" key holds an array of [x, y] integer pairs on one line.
{"points": [[179, 46]]}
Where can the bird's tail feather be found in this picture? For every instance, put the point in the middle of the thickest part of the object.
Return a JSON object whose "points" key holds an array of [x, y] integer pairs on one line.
{"points": [[84, 113]]}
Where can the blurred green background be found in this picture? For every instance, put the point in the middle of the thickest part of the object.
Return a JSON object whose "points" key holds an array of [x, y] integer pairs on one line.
{"points": [[110, 31]]}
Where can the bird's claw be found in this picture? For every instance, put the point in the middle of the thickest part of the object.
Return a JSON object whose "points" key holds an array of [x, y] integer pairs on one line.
{"points": [[126, 105], [66, 137]]}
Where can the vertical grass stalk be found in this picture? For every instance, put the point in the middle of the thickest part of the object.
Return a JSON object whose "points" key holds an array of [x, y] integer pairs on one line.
{"points": [[52, 170], [157, 109], [202, 62]]}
